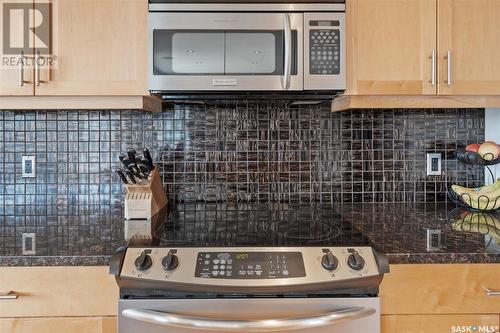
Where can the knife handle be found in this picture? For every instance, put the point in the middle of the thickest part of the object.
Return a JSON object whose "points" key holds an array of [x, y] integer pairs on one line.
{"points": [[126, 162], [147, 155], [144, 170], [134, 169], [131, 176], [131, 153], [122, 176]]}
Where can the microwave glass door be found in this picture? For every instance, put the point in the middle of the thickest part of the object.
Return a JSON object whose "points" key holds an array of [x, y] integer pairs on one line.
{"points": [[188, 52], [254, 53], [225, 51]]}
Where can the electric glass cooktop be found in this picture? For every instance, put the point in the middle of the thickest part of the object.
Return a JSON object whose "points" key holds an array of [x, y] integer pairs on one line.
{"points": [[232, 224]]}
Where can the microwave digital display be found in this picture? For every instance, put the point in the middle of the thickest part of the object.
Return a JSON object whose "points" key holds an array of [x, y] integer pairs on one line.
{"points": [[324, 23]]}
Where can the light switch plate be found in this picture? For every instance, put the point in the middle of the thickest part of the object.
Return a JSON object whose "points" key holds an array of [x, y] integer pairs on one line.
{"points": [[28, 165], [434, 164]]}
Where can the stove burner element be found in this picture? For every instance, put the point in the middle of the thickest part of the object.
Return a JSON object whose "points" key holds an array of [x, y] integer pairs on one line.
{"points": [[318, 231]]}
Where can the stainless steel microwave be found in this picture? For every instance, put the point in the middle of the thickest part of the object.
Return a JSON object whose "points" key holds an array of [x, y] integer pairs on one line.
{"points": [[258, 46]]}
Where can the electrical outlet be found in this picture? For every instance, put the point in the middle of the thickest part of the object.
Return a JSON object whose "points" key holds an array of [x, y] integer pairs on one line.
{"points": [[29, 243], [433, 240], [28, 166], [434, 164]]}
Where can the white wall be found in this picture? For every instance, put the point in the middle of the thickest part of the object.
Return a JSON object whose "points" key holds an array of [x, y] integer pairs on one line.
{"points": [[492, 133]]}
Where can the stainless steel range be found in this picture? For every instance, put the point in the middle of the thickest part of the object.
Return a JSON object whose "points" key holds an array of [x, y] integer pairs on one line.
{"points": [[174, 286]]}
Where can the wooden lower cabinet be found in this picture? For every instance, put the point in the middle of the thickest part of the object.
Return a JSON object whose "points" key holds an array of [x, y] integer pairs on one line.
{"points": [[439, 323], [440, 298], [58, 292], [440, 289], [59, 325]]}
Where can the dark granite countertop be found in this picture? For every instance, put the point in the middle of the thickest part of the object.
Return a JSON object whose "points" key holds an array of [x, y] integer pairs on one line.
{"points": [[427, 233], [408, 233]]}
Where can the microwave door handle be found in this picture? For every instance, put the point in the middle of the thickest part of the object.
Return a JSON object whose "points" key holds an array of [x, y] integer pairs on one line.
{"points": [[266, 325], [285, 82]]}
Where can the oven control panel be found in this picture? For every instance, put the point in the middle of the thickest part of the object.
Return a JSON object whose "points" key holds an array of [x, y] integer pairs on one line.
{"points": [[249, 269], [250, 265]]}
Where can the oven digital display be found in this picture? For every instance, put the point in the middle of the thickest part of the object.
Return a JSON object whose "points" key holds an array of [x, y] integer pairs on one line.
{"points": [[242, 256], [249, 265]]}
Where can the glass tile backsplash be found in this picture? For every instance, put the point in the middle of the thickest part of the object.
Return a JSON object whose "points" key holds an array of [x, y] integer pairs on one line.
{"points": [[227, 151]]}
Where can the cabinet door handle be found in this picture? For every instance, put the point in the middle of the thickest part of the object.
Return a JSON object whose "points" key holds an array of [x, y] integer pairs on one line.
{"points": [[37, 69], [490, 292], [433, 70], [21, 70], [9, 295], [448, 58]]}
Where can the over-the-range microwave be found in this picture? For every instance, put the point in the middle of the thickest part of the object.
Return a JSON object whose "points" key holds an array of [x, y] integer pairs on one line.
{"points": [[256, 46]]}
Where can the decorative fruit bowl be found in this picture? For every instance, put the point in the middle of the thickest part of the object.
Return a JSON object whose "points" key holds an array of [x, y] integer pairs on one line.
{"points": [[484, 199], [473, 158]]}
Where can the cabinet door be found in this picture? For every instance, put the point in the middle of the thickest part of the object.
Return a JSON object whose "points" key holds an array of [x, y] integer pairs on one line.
{"points": [[469, 30], [440, 289], [100, 48], [16, 77], [390, 46], [59, 325], [58, 292], [439, 323]]}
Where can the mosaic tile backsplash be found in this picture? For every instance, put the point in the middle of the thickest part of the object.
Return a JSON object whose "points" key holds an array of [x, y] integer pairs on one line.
{"points": [[227, 151]]}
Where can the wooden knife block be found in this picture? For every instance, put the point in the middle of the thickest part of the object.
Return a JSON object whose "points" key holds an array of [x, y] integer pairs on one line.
{"points": [[145, 201]]}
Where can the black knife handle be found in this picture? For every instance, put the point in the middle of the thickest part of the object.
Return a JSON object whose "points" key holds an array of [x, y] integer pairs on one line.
{"points": [[134, 169], [143, 167], [131, 153], [144, 170], [122, 157], [122, 176], [126, 162], [147, 155], [131, 176]]}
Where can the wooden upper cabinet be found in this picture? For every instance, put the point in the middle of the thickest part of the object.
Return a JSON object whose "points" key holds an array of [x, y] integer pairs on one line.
{"points": [[100, 48], [470, 31], [10, 81], [12, 72], [389, 46]]}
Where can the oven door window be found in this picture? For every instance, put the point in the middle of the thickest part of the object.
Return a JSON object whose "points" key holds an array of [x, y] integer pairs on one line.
{"points": [[232, 52]]}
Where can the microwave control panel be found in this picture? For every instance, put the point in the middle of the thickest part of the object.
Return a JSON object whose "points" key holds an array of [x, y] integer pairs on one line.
{"points": [[324, 47]]}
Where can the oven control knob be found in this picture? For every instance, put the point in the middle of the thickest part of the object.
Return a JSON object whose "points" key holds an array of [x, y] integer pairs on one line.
{"points": [[143, 261], [170, 262], [329, 261], [355, 261]]}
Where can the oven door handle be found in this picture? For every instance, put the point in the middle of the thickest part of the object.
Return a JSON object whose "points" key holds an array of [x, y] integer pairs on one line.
{"points": [[287, 72], [181, 321]]}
